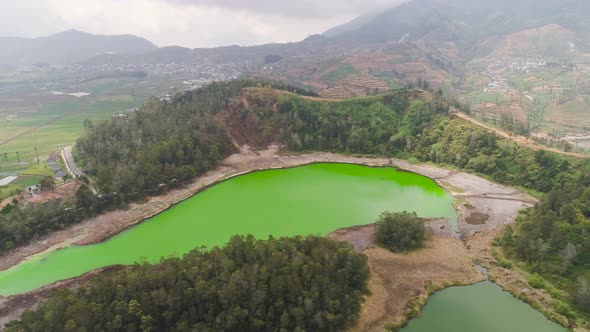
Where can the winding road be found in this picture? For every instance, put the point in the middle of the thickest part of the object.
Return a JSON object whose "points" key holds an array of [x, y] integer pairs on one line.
{"points": [[68, 158]]}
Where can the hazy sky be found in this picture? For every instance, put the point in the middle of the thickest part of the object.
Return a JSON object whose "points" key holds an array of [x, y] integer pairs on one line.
{"points": [[191, 23]]}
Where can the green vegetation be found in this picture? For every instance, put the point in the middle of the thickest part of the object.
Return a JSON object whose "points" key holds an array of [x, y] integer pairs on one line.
{"points": [[341, 73], [20, 224], [29, 176], [479, 96], [400, 231], [397, 124], [158, 147], [162, 145], [536, 281], [287, 284], [69, 117], [165, 144], [553, 238]]}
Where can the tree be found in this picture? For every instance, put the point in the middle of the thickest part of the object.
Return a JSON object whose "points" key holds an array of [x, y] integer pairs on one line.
{"points": [[582, 295], [568, 254], [400, 231], [48, 184]]}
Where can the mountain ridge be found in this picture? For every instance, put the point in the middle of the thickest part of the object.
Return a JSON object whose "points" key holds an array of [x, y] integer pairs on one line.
{"points": [[69, 46]]}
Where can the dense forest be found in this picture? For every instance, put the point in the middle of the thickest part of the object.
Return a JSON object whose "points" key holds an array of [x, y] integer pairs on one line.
{"points": [[161, 145], [287, 284], [21, 224], [553, 239]]}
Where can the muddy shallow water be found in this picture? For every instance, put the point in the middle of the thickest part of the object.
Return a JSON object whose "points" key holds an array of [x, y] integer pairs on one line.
{"points": [[482, 307]]}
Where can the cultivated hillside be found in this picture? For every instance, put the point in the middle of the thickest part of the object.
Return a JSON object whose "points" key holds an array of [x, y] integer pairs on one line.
{"points": [[465, 21]]}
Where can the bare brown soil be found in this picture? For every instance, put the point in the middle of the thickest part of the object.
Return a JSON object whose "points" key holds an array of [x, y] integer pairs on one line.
{"points": [[400, 283], [477, 218], [65, 191]]}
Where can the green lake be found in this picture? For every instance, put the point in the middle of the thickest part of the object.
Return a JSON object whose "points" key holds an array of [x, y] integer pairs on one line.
{"points": [[313, 199], [483, 307]]}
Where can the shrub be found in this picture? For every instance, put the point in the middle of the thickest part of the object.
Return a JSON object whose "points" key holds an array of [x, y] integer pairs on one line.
{"points": [[400, 231], [505, 264], [564, 309], [536, 281]]}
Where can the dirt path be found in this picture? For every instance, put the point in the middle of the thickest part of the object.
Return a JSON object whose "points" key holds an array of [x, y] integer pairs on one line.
{"points": [[276, 91], [520, 140], [480, 199]]}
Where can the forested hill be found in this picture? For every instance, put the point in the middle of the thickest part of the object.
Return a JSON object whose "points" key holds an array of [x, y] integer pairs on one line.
{"points": [[165, 144], [552, 239]]}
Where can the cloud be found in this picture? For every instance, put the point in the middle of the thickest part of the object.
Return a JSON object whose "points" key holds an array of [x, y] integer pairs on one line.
{"points": [[190, 23], [294, 8]]}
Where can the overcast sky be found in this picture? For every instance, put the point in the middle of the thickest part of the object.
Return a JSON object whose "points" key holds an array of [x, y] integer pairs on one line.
{"points": [[190, 23]]}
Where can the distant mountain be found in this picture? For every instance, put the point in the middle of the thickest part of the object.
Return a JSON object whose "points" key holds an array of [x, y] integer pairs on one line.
{"points": [[226, 54], [353, 25], [463, 21], [68, 47]]}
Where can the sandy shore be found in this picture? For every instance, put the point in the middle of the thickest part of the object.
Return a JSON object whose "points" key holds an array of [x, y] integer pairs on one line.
{"points": [[474, 196]]}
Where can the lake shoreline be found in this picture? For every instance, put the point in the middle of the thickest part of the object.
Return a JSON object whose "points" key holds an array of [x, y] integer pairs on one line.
{"points": [[401, 284], [106, 225], [472, 194]]}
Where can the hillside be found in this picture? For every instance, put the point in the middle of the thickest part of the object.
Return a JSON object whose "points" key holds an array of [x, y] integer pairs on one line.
{"points": [[68, 47], [464, 21], [521, 65]]}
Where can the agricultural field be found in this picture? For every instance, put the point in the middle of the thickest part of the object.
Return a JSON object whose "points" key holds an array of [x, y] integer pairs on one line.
{"points": [[40, 115], [574, 112], [44, 116], [549, 100], [26, 176], [341, 73]]}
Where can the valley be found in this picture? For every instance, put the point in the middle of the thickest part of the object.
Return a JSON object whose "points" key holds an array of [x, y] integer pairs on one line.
{"points": [[425, 166]]}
